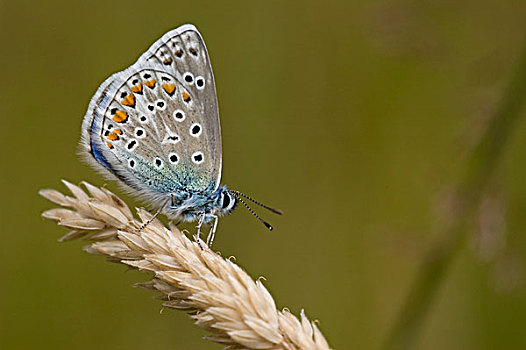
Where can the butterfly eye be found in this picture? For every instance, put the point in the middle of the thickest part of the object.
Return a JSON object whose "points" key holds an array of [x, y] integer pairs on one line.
{"points": [[198, 157], [196, 129], [226, 200], [200, 82], [188, 77], [179, 115]]}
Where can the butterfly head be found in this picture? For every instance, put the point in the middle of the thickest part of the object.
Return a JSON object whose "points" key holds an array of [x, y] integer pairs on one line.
{"points": [[226, 202]]}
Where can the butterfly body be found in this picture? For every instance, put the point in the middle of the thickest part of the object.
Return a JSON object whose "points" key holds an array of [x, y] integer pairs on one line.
{"points": [[155, 127]]}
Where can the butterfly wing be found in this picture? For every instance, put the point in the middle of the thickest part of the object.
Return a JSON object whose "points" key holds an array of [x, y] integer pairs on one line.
{"points": [[155, 126], [183, 53]]}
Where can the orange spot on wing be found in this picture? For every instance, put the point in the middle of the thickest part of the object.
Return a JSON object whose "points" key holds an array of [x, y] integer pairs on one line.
{"points": [[120, 117], [150, 83], [168, 61], [169, 88], [118, 131], [129, 101], [186, 96], [113, 136], [137, 88], [109, 145]]}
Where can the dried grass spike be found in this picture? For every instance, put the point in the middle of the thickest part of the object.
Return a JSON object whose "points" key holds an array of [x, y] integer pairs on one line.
{"points": [[238, 311]]}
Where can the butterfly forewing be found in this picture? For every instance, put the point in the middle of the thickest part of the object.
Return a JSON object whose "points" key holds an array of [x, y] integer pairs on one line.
{"points": [[183, 53], [155, 125]]}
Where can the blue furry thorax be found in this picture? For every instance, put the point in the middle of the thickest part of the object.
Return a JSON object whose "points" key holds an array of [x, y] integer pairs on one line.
{"points": [[189, 205]]}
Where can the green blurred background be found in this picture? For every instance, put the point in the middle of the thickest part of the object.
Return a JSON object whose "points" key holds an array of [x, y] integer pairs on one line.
{"points": [[352, 117]]}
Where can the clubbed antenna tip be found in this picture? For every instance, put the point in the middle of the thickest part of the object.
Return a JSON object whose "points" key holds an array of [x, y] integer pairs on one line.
{"points": [[238, 195]]}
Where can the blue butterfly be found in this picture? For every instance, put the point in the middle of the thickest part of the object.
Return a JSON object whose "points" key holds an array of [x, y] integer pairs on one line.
{"points": [[155, 127]]}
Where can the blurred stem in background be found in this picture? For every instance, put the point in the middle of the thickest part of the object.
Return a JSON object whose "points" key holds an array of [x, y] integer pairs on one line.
{"points": [[480, 167]]}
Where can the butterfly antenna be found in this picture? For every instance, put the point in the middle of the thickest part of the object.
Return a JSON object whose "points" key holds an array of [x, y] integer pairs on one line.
{"points": [[267, 225], [275, 211]]}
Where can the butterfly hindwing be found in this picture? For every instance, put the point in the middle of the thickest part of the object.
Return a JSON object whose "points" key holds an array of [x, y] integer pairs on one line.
{"points": [[155, 125]]}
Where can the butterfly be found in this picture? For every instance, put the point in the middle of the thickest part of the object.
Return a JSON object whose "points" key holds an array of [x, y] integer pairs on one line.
{"points": [[155, 127]]}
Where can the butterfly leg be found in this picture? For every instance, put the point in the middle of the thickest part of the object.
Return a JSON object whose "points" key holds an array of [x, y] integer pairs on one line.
{"points": [[153, 217], [199, 224], [212, 233]]}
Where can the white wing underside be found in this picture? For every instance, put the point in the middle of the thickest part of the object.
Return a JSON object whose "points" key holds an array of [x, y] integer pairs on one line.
{"points": [[155, 125]]}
